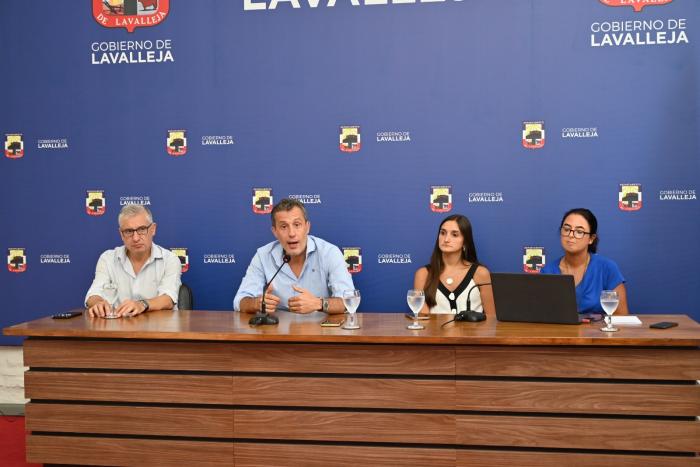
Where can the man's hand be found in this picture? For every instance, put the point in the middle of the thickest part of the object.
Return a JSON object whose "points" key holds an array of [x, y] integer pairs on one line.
{"points": [[100, 309], [305, 302], [130, 308], [271, 301]]}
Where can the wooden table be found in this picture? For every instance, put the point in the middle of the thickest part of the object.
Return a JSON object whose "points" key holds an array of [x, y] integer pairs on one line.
{"points": [[204, 388]]}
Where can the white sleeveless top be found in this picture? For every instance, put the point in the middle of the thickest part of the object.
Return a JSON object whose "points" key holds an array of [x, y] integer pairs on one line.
{"points": [[452, 302]]}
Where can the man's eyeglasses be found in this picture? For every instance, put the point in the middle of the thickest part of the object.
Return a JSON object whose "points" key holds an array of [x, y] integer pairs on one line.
{"points": [[141, 231], [567, 231]]}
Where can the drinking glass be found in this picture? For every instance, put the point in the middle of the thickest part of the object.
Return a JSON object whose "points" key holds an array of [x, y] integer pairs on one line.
{"points": [[416, 300], [609, 301], [351, 299], [110, 294]]}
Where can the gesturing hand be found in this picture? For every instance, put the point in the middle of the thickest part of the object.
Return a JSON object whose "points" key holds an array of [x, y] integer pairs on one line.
{"points": [[271, 300], [305, 302]]}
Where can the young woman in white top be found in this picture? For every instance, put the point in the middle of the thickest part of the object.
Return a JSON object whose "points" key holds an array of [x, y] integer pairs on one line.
{"points": [[454, 273]]}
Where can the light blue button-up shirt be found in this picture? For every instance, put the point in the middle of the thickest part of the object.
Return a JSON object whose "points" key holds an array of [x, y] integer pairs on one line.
{"points": [[160, 275], [325, 273]]}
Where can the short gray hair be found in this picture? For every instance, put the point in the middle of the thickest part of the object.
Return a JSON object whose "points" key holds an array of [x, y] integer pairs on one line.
{"points": [[131, 210]]}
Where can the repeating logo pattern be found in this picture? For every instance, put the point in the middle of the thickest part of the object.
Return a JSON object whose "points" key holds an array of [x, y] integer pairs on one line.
{"points": [[637, 5], [16, 260], [630, 197], [95, 203], [181, 253], [129, 14], [262, 200], [176, 143], [533, 259], [441, 198], [533, 135], [353, 258], [350, 140], [14, 146]]}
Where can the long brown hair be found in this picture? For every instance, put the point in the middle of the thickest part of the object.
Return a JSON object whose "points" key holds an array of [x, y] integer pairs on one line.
{"points": [[436, 265]]}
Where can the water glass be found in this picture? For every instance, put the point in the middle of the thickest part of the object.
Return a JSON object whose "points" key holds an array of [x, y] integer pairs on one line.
{"points": [[110, 293], [351, 299], [416, 300], [609, 301]]}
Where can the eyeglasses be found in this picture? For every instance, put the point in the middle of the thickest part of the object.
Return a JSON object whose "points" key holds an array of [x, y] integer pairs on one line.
{"points": [[141, 231], [566, 231]]}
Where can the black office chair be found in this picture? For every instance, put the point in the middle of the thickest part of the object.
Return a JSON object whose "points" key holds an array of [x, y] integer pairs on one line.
{"points": [[184, 298]]}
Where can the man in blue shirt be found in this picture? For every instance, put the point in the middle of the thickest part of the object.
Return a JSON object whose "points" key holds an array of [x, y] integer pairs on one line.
{"points": [[314, 278]]}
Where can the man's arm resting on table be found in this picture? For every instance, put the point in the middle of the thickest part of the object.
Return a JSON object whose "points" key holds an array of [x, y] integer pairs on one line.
{"points": [[98, 306], [250, 304], [335, 306], [136, 307]]}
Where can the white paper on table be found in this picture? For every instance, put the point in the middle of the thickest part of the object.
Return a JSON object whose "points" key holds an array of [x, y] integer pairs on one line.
{"points": [[629, 320]]}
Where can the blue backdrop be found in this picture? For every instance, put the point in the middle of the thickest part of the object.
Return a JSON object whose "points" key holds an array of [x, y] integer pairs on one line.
{"points": [[441, 92]]}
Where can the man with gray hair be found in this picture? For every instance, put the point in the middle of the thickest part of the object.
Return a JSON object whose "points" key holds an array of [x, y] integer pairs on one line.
{"points": [[137, 277]]}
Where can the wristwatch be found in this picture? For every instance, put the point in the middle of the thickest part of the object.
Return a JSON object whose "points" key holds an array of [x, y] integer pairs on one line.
{"points": [[324, 304], [145, 304]]}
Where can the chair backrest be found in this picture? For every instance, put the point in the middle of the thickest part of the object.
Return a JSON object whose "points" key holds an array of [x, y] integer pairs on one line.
{"points": [[185, 301]]}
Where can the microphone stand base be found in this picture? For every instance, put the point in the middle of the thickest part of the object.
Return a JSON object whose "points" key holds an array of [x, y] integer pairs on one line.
{"points": [[263, 318]]}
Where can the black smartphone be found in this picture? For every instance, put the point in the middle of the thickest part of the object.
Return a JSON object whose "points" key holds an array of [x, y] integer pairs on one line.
{"points": [[68, 315], [663, 325]]}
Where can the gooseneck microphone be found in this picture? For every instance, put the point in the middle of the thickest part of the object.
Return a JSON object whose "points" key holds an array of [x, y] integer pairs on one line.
{"points": [[469, 314], [262, 316], [469, 299]]}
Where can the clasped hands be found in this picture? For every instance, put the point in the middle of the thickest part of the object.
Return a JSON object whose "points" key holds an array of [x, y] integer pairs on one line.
{"points": [[102, 309], [305, 302]]}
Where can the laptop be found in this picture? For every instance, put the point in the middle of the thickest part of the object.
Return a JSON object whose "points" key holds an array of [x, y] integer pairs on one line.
{"points": [[535, 298]]}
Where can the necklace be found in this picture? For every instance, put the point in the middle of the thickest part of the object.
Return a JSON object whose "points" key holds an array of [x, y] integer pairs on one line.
{"points": [[450, 280]]}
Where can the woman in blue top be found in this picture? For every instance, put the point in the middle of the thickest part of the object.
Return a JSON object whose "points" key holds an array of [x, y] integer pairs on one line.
{"points": [[592, 273]]}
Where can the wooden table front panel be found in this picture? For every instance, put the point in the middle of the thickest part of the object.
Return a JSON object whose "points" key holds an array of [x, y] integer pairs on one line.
{"points": [[492, 458], [93, 450], [344, 359], [340, 455], [579, 433], [129, 387], [140, 402], [347, 426], [130, 420], [574, 397], [643, 363], [343, 392], [140, 355]]}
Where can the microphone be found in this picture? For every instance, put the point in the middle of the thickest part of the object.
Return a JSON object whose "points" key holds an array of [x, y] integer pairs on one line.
{"points": [[262, 316], [469, 314]]}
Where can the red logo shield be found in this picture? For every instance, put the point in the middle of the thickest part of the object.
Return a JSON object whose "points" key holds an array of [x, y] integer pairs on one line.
{"points": [[130, 14], [636, 4]]}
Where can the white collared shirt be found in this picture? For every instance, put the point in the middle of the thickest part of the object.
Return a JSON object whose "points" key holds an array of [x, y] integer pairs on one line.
{"points": [[160, 275]]}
